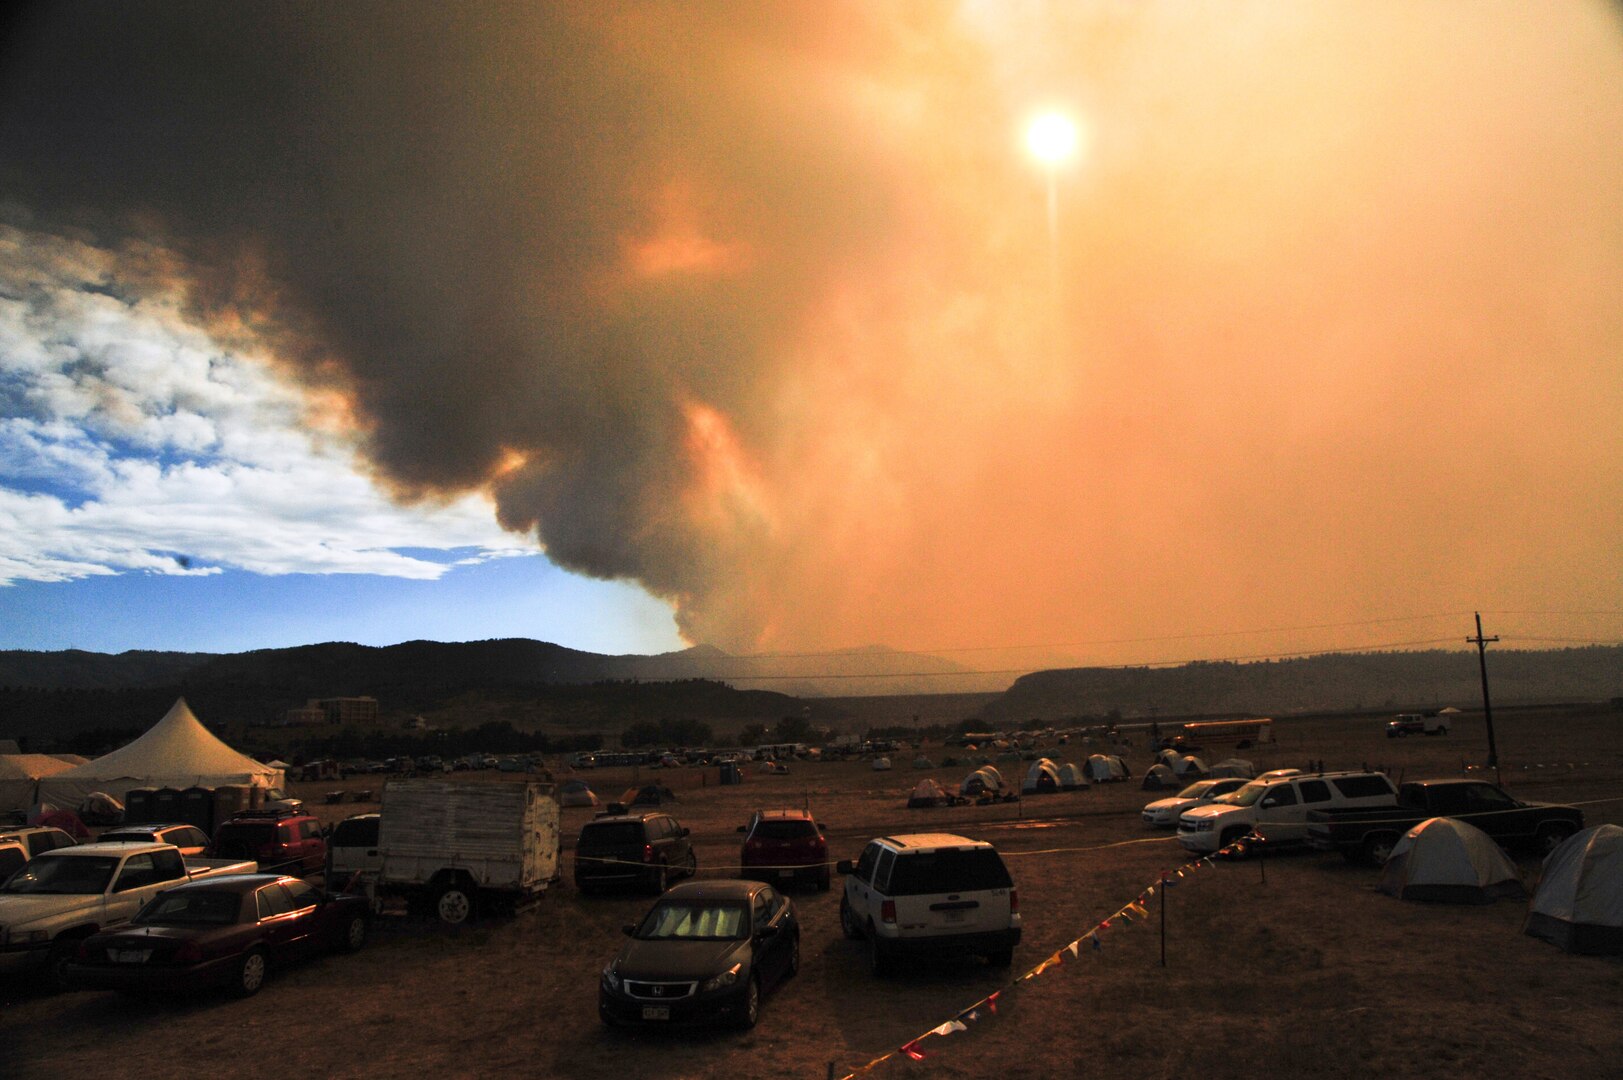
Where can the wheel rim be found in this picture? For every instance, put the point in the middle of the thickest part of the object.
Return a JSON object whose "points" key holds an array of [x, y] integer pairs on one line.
{"points": [[454, 906], [1381, 850], [357, 933], [253, 972]]}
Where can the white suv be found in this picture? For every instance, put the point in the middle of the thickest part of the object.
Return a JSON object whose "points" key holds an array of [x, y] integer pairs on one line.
{"points": [[930, 893], [1276, 810]]}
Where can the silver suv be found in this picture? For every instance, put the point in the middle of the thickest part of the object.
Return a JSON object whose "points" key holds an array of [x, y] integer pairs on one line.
{"points": [[930, 894]]}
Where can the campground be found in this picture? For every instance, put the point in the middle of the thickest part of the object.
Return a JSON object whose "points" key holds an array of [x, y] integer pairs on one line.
{"points": [[1288, 966]]}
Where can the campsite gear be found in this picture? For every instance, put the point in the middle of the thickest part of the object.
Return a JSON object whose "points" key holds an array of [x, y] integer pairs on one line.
{"points": [[1451, 861], [454, 848], [1072, 778], [926, 795], [1041, 779], [1579, 902], [1103, 768], [984, 780], [1159, 777]]}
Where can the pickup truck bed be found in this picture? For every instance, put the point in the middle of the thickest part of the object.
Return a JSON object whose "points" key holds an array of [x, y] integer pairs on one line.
{"points": [[1367, 835]]}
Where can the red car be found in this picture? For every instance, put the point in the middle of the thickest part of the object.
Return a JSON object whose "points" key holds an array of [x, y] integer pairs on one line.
{"points": [[220, 932], [784, 846], [282, 841]]}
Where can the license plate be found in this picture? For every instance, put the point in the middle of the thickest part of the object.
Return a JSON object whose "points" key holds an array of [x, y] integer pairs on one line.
{"points": [[656, 1012], [954, 916], [128, 956]]}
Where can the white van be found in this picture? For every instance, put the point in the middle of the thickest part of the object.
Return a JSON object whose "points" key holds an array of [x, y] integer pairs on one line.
{"points": [[930, 893], [1276, 810]]}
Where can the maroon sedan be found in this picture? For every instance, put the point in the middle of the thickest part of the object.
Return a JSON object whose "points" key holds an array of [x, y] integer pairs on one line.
{"points": [[223, 931]]}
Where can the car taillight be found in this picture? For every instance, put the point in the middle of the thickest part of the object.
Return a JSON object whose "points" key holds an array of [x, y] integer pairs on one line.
{"points": [[648, 853], [887, 911], [1014, 901], [190, 952]]}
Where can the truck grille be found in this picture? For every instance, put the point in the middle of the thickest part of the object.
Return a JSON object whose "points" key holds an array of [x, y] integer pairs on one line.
{"points": [[660, 991]]}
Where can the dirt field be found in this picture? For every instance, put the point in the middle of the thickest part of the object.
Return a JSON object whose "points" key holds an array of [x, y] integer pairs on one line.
{"points": [[1307, 973]]}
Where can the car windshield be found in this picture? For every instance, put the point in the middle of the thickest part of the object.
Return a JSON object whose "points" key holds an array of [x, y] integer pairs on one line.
{"points": [[922, 873], [711, 921], [1196, 790], [784, 829], [81, 874], [191, 908], [1246, 795]]}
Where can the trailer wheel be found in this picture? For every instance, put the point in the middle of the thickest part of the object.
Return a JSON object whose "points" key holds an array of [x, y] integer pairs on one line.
{"points": [[455, 904]]}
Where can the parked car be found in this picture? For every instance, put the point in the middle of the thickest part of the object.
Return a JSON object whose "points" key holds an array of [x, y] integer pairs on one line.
{"points": [[283, 840], [222, 933], [930, 894], [188, 838], [706, 951], [37, 840], [1406, 724], [785, 846], [633, 849], [13, 854], [1276, 810], [1163, 813], [69, 893], [352, 848], [1367, 834]]}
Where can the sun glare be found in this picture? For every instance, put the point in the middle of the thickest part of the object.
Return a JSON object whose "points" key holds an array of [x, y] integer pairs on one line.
{"points": [[1051, 137]]}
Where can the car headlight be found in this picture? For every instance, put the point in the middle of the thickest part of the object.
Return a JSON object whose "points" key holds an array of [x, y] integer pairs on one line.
{"points": [[611, 977], [726, 978], [33, 937]]}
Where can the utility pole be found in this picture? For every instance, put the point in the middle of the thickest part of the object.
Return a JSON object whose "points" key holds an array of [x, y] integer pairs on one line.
{"points": [[1481, 644]]}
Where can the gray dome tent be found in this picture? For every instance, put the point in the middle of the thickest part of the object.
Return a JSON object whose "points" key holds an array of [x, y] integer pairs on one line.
{"points": [[1451, 861], [1160, 777], [1103, 768], [1231, 767], [1190, 767], [1041, 779], [1072, 778], [985, 779], [1579, 902]]}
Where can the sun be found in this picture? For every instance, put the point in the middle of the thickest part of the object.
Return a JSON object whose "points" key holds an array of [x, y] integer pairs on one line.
{"points": [[1051, 137]]}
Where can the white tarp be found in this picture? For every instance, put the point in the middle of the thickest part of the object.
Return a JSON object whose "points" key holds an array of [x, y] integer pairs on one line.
{"points": [[177, 751], [1579, 902], [20, 775], [1448, 860]]}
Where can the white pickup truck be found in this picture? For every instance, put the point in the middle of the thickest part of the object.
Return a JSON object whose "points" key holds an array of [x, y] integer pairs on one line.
{"points": [[65, 895]]}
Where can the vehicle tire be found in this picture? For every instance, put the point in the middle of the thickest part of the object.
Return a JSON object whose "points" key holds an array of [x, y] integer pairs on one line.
{"points": [[1229, 836], [692, 864], [792, 968], [825, 880], [606, 1016], [1377, 848], [1000, 959], [848, 921], [879, 959], [750, 1014], [659, 879], [56, 966], [250, 973], [454, 905], [1551, 835], [354, 934]]}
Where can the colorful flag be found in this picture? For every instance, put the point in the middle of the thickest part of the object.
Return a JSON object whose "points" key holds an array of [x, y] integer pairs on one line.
{"points": [[948, 1028], [911, 1050]]}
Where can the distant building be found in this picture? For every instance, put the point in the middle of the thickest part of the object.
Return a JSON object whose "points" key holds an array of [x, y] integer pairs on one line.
{"points": [[338, 710]]}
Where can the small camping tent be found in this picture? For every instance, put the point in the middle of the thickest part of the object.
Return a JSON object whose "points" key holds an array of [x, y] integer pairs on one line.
{"points": [[927, 794], [922, 762], [1579, 902], [1233, 766], [1450, 861], [1041, 779], [1160, 777], [984, 780], [1103, 768], [881, 764], [176, 752], [1168, 757], [648, 795], [1190, 767], [1072, 778]]}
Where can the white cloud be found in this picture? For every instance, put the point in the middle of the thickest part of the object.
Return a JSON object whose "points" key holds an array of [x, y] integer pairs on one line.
{"points": [[130, 441]]}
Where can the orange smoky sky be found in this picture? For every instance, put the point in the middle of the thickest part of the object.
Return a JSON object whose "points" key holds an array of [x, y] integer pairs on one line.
{"points": [[762, 306]]}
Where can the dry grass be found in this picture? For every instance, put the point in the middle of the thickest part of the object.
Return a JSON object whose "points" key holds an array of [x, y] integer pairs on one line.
{"points": [[1309, 973]]}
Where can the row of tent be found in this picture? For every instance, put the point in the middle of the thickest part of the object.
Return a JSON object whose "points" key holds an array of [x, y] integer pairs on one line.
{"points": [[1044, 777], [1578, 904], [177, 751], [1174, 770]]}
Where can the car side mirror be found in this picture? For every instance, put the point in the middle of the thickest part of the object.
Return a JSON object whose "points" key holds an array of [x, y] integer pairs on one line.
{"points": [[768, 931], [629, 929], [843, 866]]}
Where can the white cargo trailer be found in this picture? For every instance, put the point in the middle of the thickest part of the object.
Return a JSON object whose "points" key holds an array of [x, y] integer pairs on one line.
{"points": [[453, 847]]}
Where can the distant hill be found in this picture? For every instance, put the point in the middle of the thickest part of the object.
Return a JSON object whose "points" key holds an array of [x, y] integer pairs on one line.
{"points": [[1396, 680]]}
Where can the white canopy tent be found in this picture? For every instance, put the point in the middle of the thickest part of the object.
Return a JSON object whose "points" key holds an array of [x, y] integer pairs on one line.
{"points": [[177, 751], [20, 775]]}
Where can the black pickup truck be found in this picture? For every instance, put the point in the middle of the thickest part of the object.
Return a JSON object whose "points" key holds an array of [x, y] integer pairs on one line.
{"points": [[1367, 834]]}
